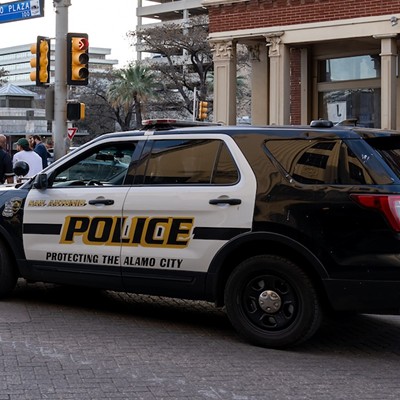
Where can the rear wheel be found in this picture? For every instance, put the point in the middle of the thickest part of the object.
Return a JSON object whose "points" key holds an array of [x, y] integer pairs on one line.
{"points": [[8, 272], [271, 302]]}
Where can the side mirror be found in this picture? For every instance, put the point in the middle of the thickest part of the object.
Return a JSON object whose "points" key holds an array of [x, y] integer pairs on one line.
{"points": [[21, 168], [40, 181]]}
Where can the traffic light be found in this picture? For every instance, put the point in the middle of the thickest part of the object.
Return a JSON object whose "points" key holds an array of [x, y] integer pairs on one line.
{"points": [[77, 59], [41, 61], [203, 110], [75, 111]]}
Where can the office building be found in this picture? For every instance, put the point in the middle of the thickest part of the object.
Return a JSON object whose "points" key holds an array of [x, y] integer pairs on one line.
{"points": [[157, 12]]}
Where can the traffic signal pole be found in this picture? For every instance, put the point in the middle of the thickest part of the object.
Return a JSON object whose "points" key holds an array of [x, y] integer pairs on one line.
{"points": [[60, 84]]}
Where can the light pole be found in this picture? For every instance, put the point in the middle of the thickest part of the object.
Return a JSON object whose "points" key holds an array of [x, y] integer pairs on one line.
{"points": [[60, 83]]}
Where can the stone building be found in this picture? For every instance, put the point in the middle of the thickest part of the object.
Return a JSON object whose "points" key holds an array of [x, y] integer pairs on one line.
{"points": [[334, 59], [18, 116]]}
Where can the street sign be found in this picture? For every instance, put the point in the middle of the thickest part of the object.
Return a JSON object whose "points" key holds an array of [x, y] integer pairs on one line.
{"points": [[20, 10], [71, 132]]}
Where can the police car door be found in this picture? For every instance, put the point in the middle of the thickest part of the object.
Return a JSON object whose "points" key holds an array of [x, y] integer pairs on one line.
{"points": [[70, 228], [190, 197]]}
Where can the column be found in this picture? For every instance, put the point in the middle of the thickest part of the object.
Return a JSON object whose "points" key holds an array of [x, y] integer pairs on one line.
{"points": [[388, 80], [305, 91], [224, 56], [279, 95], [259, 83]]}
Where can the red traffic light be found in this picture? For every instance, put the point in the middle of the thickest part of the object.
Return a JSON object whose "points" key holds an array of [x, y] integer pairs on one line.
{"points": [[81, 43], [77, 59]]}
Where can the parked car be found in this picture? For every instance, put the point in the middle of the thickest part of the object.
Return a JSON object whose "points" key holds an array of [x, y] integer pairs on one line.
{"points": [[279, 225]]}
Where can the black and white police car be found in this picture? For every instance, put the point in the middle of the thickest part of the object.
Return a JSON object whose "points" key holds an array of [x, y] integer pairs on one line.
{"points": [[276, 224]]}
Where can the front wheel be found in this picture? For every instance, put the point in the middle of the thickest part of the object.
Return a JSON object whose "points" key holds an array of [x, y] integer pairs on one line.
{"points": [[271, 302]]}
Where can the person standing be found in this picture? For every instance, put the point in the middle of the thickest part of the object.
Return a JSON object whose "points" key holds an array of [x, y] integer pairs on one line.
{"points": [[39, 147], [6, 165], [25, 153], [50, 149]]}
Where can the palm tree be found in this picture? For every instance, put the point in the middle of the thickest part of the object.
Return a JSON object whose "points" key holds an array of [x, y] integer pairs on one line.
{"points": [[132, 87]]}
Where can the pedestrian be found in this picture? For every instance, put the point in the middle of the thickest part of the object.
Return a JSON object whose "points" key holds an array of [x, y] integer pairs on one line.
{"points": [[39, 147], [6, 165], [25, 153], [49, 143], [50, 149]]}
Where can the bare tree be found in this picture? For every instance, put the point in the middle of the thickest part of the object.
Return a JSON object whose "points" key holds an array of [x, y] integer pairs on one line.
{"points": [[186, 57], [100, 117]]}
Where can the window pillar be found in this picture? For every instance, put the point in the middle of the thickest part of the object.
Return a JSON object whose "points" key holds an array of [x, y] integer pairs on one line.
{"points": [[279, 103], [259, 84], [224, 57], [304, 88], [388, 80]]}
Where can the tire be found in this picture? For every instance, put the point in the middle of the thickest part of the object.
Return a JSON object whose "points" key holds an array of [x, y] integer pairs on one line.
{"points": [[8, 272], [271, 302]]}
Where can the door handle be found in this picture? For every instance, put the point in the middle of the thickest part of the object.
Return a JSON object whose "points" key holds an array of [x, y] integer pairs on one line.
{"points": [[224, 200], [106, 202]]}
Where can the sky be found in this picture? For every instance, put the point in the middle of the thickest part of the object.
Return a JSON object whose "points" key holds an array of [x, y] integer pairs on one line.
{"points": [[106, 23]]}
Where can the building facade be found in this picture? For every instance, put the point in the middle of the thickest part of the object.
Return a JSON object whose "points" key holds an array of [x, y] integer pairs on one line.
{"points": [[18, 115], [152, 13], [310, 59]]}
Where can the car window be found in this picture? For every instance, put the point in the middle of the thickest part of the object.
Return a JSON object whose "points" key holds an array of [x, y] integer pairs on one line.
{"points": [[388, 147], [99, 166], [319, 162], [190, 162]]}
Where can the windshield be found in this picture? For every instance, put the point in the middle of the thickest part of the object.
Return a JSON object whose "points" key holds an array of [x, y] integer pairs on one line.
{"points": [[99, 166]]}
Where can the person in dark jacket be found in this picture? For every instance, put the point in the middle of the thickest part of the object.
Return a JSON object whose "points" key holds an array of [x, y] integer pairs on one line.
{"points": [[39, 148], [6, 166]]}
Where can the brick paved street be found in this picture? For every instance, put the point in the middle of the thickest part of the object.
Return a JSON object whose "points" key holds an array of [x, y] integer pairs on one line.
{"points": [[68, 343]]}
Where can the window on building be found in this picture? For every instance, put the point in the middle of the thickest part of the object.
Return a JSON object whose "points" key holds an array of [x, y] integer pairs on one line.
{"points": [[349, 89], [350, 68], [20, 103]]}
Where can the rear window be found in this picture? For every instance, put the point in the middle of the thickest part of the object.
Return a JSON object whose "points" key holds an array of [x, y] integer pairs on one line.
{"points": [[388, 147], [320, 162]]}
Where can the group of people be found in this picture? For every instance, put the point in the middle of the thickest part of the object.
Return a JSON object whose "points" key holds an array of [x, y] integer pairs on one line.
{"points": [[32, 150]]}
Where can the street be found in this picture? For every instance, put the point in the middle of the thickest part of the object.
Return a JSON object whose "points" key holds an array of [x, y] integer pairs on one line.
{"points": [[67, 343]]}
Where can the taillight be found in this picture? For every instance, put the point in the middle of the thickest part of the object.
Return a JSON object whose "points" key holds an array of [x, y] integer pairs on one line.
{"points": [[389, 205]]}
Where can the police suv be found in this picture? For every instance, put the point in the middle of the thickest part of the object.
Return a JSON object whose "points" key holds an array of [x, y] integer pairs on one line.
{"points": [[276, 224]]}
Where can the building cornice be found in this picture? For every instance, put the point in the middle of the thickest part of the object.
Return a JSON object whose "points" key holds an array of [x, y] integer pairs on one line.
{"points": [[318, 31], [207, 3]]}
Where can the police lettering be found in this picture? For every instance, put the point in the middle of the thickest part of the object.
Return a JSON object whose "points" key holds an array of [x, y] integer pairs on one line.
{"points": [[151, 262], [37, 203], [67, 203], [170, 263], [69, 257], [140, 261], [163, 232]]}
